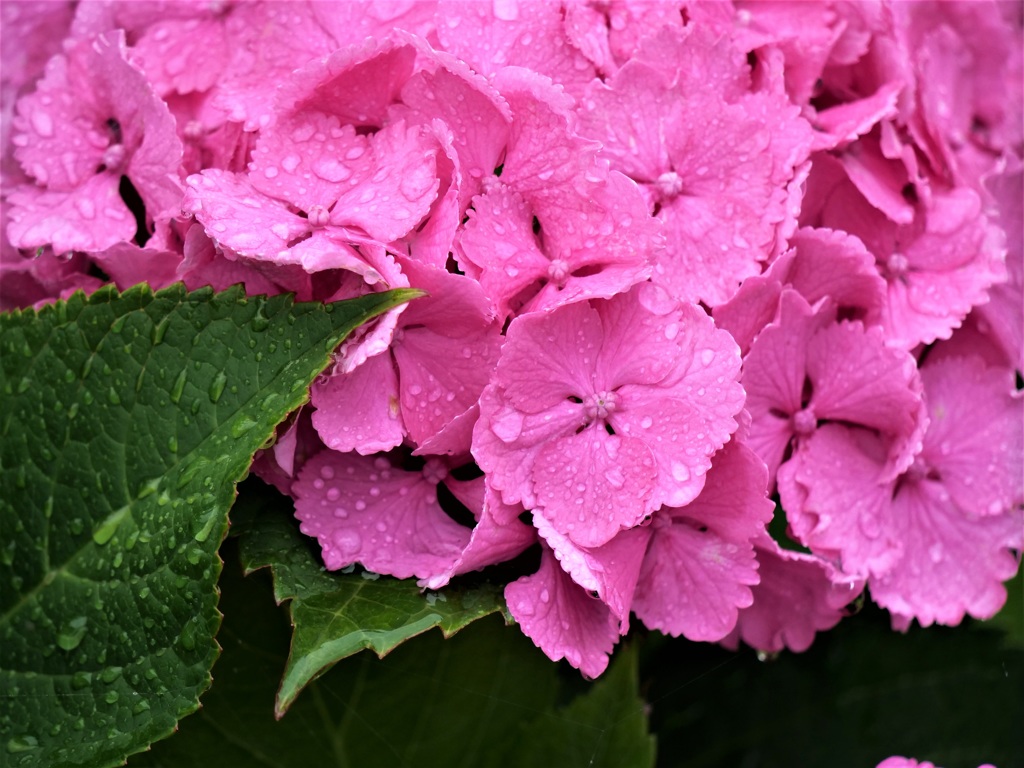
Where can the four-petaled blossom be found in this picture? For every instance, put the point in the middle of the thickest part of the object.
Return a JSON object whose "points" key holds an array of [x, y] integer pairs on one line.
{"points": [[600, 413]]}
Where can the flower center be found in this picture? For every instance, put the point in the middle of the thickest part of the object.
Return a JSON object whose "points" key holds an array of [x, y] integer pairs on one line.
{"points": [[435, 471], [114, 156], [897, 264], [804, 422], [558, 272], [490, 184], [318, 216], [599, 405], [669, 184]]}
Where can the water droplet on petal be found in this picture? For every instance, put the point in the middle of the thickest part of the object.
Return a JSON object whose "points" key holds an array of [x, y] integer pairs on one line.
{"points": [[680, 472], [347, 541]]}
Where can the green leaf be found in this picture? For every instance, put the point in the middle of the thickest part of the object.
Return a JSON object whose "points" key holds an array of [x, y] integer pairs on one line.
{"points": [[952, 696], [477, 700], [338, 614], [605, 727], [126, 421]]}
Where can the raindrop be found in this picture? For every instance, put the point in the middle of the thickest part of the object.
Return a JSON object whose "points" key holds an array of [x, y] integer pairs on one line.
{"points": [[241, 425], [21, 744], [347, 541], [179, 387], [217, 386], [105, 532], [71, 634]]}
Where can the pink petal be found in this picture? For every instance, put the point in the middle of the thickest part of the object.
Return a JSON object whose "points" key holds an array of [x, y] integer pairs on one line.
{"points": [[128, 265], [308, 159], [354, 22], [591, 485], [492, 540], [359, 410], [975, 438], [469, 106], [857, 379], [834, 264], [846, 516], [700, 561], [561, 619], [91, 217], [507, 441], [610, 571], [798, 596], [497, 246], [269, 42], [401, 189], [774, 372], [548, 358], [848, 121], [953, 564], [238, 216], [529, 35], [364, 510], [357, 83], [182, 55]]}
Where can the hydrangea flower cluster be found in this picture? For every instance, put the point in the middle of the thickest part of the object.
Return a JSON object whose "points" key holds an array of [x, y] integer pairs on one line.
{"points": [[690, 266]]}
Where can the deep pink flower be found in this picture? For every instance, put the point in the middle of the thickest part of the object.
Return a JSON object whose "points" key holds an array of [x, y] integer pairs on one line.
{"points": [[600, 413]]}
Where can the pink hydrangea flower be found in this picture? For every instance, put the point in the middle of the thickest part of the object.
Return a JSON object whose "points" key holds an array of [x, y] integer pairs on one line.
{"points": [[935, 542], [600, 413], [714, 162], [92, 120], [595, 238], [938, 263], [806, 369], [820, 263], [700, 565]]}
